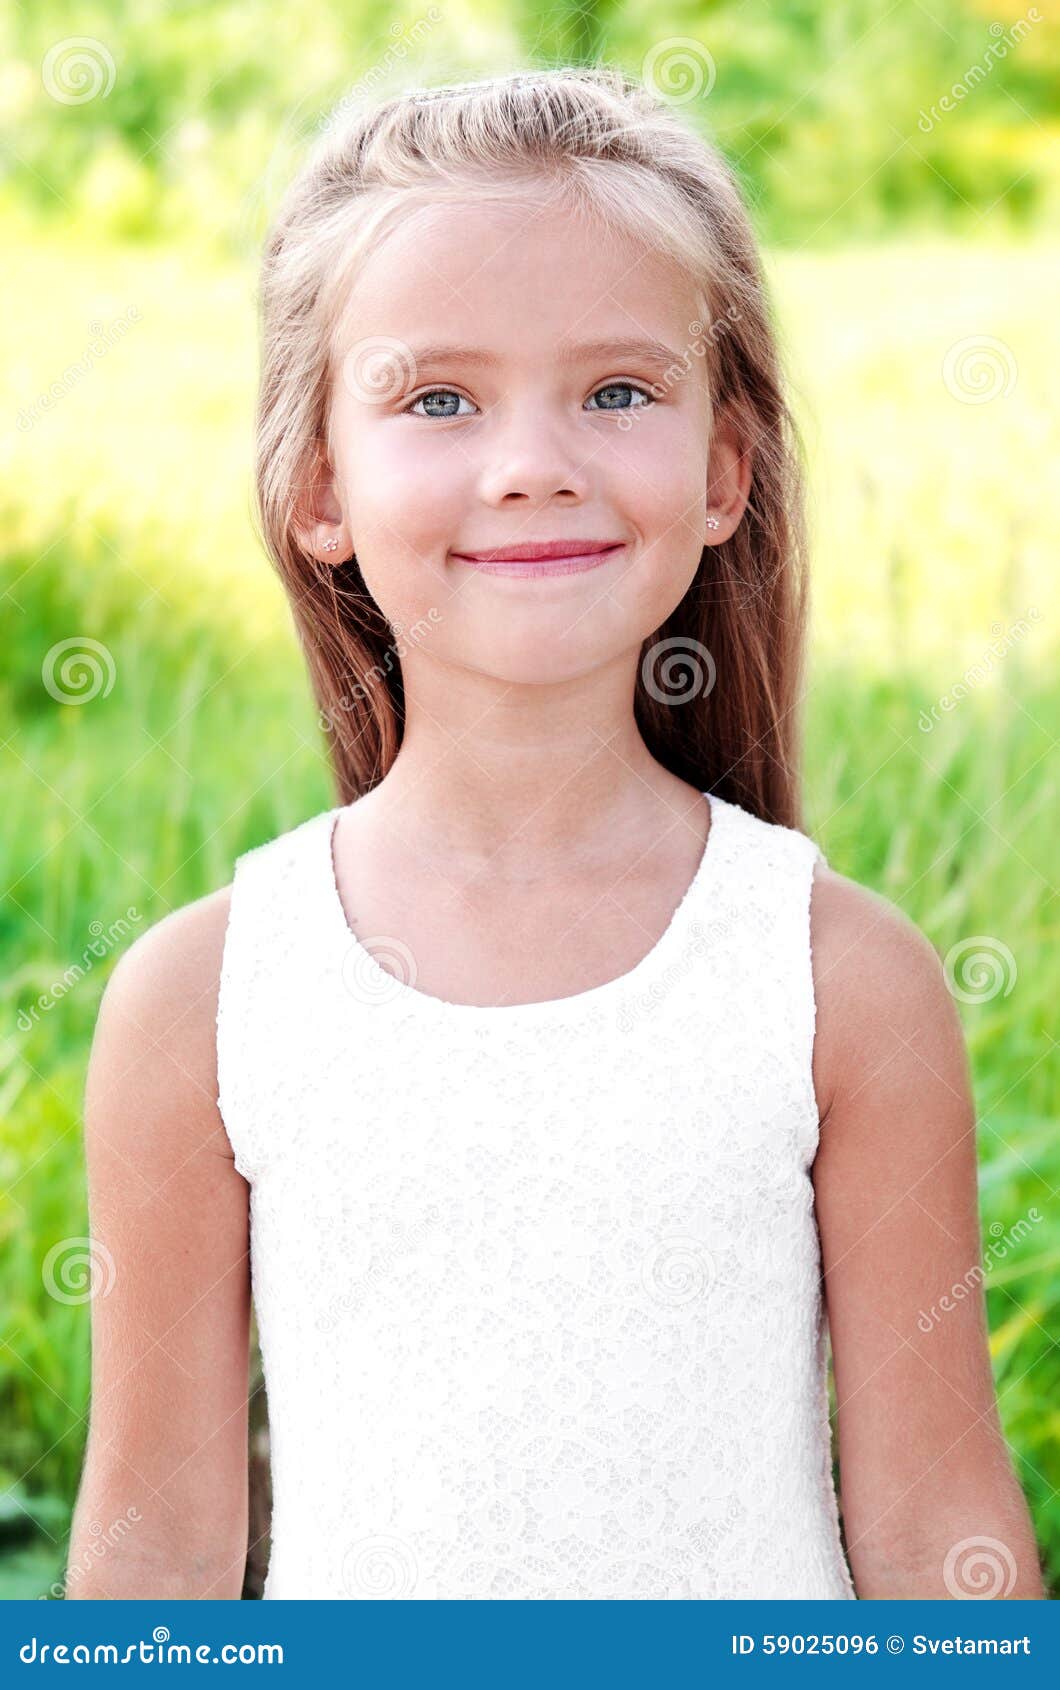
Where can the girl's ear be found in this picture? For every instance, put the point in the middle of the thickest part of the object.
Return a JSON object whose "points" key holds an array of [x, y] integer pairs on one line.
{"points": [[728, 478], [318, 520]]}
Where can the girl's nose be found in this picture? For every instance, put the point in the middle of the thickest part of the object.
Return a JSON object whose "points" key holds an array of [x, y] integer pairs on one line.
{"points": [[534, 457]]}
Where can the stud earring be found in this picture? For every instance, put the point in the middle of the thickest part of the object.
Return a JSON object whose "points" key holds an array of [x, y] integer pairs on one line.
{"points": [[713, 522], [331, 545]]}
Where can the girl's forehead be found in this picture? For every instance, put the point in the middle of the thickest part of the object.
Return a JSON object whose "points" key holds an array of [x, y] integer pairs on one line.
{"points": [[453, 261], [507, 231]]}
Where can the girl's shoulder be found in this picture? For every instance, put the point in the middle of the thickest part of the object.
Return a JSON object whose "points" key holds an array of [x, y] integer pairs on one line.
{"points": [[881, 991], [169, 980], [174, 967], [153, 1065]]}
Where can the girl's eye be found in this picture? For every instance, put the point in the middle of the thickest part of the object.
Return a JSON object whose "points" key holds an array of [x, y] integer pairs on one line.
{"points": [[619, 387], [429, 399], [437, 401]]}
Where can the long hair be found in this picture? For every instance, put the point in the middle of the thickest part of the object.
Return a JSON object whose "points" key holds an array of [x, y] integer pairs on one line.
{"points": [[719, 683]]}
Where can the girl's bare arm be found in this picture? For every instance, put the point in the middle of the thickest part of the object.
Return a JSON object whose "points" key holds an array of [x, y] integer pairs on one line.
{"points": [[931, 1504], [162, 1507]]}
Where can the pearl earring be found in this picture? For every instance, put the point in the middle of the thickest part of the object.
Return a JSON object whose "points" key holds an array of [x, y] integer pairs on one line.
{"points": [[712, 522], [331, 545]]}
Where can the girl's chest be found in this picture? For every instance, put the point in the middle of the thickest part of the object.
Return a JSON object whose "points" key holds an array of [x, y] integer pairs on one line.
{"points": [[491, 947]]}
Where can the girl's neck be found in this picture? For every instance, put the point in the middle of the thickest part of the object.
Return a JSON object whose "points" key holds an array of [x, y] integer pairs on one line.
{"points": [[541, 805]]}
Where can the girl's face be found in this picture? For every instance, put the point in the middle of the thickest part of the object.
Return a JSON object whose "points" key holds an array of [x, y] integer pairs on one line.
{"points": [[472, 411]]}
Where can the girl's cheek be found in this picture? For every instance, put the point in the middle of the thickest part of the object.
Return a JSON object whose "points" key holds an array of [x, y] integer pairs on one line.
{"points": [[411, 472], [666, 454]]}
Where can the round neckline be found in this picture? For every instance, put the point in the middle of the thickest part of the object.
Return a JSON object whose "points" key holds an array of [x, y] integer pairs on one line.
{"points": [[397, 992]]}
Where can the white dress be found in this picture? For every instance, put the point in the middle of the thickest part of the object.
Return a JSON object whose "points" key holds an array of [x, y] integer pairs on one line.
{"points": [[537, 1286]]}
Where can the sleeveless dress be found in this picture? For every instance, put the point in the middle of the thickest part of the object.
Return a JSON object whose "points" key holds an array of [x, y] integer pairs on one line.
{"points": [[537, 1286]]}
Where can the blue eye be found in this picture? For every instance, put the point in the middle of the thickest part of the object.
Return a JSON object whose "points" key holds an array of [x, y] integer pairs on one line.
{"points": [[439, 396], [624, 387], [435, 393]]}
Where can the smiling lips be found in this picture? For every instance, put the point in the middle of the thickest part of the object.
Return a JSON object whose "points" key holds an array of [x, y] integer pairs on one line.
{"points": [[543, 557]]}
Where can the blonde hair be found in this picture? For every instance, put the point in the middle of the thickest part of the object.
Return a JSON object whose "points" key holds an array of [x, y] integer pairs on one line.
{"points": [[603, 145]]}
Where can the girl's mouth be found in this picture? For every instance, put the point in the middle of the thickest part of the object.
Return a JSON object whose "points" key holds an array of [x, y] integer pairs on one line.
{"points": [[554, 557]]}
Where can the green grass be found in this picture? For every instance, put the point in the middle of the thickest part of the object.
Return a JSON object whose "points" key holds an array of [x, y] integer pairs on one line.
{"points": [[935, 520]]}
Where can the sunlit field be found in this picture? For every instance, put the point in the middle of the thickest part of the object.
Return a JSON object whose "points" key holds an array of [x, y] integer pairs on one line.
{"points": [[924, 375]]}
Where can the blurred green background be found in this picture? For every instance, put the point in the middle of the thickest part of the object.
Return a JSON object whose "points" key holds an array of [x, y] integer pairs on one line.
{"points": [[902, 164]]}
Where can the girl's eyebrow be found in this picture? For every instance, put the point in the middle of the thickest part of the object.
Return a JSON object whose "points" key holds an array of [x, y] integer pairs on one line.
{"points": [[568, 352]]}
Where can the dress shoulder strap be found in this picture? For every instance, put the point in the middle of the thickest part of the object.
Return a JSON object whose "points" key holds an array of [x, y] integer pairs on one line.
{"points": [[763, 890], [269, 980]]}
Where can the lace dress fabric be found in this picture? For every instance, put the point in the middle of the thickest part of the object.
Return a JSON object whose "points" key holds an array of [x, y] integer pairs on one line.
{"points": [[537, 1286]]}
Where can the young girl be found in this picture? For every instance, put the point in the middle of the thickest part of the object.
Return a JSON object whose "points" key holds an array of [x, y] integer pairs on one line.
{"points": [[528, 1078]]}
